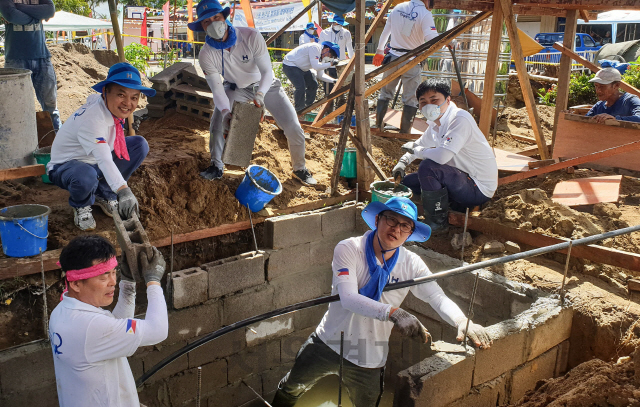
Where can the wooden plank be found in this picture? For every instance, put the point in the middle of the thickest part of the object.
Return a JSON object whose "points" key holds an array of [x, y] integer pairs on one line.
{"points": [[508, 161], [523, 77], [564, 74], [541, 163], [587, 191], [610, 152], [524, 138], [585, 4], [520, 9], [401, 136], [491, 71], [293, 20], [611, 122], [583, 15], [530, 152], [367, 156], [22, 172], [393, 118], [599, 254]]}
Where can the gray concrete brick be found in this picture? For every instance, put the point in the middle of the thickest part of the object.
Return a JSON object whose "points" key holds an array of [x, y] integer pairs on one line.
{"points": [[26, 367], [225, 345], [361, 226], [155, 394], [549, 332], [525, 377], [300, 287], [269, 329], [321, 252], [236, 394], [309, 317], [244, 127], [184, 387], [414, 350], [191, 95], [248, 304], [338, 221], [271, 378], [562, 359], [190, 287], [150, 359], [135, 363], [254, 360], [133, 240], [161, 98], [159, 111], [491, 393], [233, 274], [169, 77], [197, 111], [194, 321], [289, 260], [291, 230], [290, 344], [194, 76], [507, 351]]}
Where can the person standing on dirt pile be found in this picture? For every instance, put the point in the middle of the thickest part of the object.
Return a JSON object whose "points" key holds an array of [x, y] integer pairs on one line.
{"points": [[25, 48], [237, 66], [362, 267], [457, 162], [409, 24], [90, 344], [337, 34], [613, 104], [298, 65], [90, 156], [309, 34]]}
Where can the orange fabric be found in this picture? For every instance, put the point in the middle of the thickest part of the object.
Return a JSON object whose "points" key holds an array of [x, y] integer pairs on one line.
{"points": [[377, 59], [190, 20]]}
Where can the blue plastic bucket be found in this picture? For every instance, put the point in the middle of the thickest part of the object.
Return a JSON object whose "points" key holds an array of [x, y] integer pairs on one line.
{"points": [[340, 118], [24, 229], [258, 187]]}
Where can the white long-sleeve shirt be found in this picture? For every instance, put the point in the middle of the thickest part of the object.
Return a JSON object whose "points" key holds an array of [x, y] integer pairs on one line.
{"points": [[246, 63], [88, 136], [410, 25], [307, 57], [305, 39], [90, 347], [342, 38]]}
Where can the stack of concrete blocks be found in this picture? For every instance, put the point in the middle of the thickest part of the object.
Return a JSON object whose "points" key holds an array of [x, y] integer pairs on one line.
{"points": [[162, 83], [193, 96]]}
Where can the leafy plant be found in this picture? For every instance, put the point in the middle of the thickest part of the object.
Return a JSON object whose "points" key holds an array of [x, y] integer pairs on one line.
{"points": [[171, 58], [581, 91], [277, 69], [137, 55], [632, 75], [548, 96]]}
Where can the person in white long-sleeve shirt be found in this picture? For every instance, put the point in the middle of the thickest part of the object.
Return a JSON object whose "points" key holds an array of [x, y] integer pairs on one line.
{"points": [[410, 25], [90, 345], [362, 267], [237, 67], [299, 65], [338, 34], [309, 35]]}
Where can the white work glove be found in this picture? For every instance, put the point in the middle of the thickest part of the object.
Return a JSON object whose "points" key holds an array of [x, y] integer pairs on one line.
{"points": [[408, 324], [152, 269], [258, 99], [335, 62], [226, 122], [127, 203], [409, 147], [399, 170], [476, 333]]}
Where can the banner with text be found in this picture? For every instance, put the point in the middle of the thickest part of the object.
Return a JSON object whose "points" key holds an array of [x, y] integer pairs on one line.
{"points": [[273, 18]]}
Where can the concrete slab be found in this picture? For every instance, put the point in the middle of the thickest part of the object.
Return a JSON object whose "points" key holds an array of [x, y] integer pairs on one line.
{"points": [[550, 328], [233, 274], [190, 287], [301, 287], [245, 125]]}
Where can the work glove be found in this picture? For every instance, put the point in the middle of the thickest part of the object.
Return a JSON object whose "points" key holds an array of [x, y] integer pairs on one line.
{"points": [[399, 170], [258, 99], [127, 203], [408, 324], [152, 268], [476, 333], [409, 147], [226, 122], [377, 59], [335, 62], [125, 272]]}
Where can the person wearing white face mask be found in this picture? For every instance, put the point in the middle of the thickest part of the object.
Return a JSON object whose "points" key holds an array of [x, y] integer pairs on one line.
{"points": [[338, 34], [457, 162], [237, 66], [309, 35]]}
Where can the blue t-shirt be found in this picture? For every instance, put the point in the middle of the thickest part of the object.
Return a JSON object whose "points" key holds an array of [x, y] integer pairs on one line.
{"points": [[24, 37], [627, 108]]}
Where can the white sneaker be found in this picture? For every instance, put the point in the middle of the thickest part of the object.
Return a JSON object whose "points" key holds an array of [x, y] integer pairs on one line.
{"points": [[106, 206], [83, 218]]}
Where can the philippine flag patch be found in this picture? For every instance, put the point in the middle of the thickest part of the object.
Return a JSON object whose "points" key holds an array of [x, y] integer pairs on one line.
{"points": [[433, 28], [101, 140], [131, 326], [343, 272]]}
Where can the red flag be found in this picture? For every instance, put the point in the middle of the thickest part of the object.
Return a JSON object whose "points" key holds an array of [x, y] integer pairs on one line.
{"points": [[318, 28], [143, 29], [165, 20]]}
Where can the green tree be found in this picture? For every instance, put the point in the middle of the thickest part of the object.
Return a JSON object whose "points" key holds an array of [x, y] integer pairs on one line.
{"points": [[80, 7]]}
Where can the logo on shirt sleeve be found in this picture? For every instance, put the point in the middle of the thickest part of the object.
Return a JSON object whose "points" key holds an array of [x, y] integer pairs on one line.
{"points": [[101, 140], [343, 272], [433, 28], [131, 326]]}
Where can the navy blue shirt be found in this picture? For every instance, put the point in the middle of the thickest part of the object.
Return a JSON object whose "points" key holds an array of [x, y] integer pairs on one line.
{"points": [[627, 108], [24, 36]]}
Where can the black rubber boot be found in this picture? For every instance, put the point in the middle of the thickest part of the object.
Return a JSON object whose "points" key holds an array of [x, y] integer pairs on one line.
{"points": [[408, 113], [381, 111], [436, 210]]}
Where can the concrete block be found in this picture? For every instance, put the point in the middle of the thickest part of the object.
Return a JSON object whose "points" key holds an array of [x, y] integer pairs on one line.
{"points": [[291, 230], [361, 225], [493, 247], [132, 239], [414, 350], [150, 359], [300, 287], [512, 247], [135, 363], [289, 260], [26, 367], [161, 98], [525, 377], [244, 127], [233, 274], [269, 329], [197, 111], [248, 304], [309, 317], [194, 76], [191, 95], [321, 252], [254, 360], [434, 260], [171, 76], [562, 360], [507, 351], [236, 394], [159, 111], [549, 330], [227, 344], [45, 396], [185, 386], [491, 393], [194, 321], [339, 221], [290, 344], [271, 378], [458, 239], [190, 287], [155, 395]]}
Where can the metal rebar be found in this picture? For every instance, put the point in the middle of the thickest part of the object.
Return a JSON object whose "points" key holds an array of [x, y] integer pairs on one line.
{"points": [[394, 286], [470, 313], [199, 388], [464, 232], [253, 231], [256, 393], [170, 278], [356, 192], [45, 313], [566, 269], [340, 371]]}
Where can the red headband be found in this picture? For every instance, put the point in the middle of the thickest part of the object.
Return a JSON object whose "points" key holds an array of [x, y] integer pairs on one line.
{"points": [[93, 271]]}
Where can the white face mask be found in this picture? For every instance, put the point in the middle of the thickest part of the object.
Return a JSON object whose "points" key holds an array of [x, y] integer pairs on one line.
{"points": [[432, 112], [217, 29], [310, 31], [336, 28]]}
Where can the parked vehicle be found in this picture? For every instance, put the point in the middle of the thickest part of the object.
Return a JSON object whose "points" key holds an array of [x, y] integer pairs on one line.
{"points": [[583, 44]]}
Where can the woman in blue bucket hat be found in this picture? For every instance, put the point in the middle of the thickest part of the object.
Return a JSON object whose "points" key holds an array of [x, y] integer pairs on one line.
{"points": [[362, 267], [90, 156], [309, 34], [237, 66]]}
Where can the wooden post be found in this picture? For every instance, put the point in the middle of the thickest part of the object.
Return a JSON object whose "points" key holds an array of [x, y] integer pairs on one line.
{"points": [[293, 20], [320, 14], [113, 11], [523, 77], [342, 140], [564, 75], [491, 71]]}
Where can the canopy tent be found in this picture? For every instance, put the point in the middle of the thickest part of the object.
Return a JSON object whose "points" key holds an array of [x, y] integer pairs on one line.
{"points": [[64, 21]]}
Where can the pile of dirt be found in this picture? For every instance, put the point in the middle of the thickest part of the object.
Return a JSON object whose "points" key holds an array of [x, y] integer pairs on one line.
{"points": [[517, 121]]}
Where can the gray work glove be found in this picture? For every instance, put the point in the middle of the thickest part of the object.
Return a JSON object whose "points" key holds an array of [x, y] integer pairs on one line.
{"points": [[152, 268], [399, 170], [226, 122], [476, 333], [408, 324], [335, 62], [127, 203], [258, 99], [125, 272], [409, 147]]}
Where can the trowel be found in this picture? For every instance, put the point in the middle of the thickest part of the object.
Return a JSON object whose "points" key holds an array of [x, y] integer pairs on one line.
{"points": [[442, 346]]}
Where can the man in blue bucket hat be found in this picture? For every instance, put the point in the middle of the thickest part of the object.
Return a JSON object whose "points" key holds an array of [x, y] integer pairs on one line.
{"points": [[237, 66], [309, 34], [362, 267], [338, 34], [90, 156]]}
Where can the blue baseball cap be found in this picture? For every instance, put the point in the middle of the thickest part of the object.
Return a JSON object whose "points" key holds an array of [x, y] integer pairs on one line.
{"points": [[206, 9], [338, 20], [124, 74], [401, 206], [310, 25], [332, 45]]}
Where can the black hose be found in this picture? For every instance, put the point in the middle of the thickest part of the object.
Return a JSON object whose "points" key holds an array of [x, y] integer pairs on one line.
{"points": [[395, 286]]}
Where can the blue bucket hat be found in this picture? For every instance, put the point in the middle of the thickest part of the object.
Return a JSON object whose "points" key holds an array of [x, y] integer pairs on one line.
{"points": [[206, 9], [310, 25], [401, 206], [332, 45], [338, 20], [124, 74]]}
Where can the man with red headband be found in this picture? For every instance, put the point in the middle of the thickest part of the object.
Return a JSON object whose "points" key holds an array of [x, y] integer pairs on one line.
{"points": [[90, 344]]}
